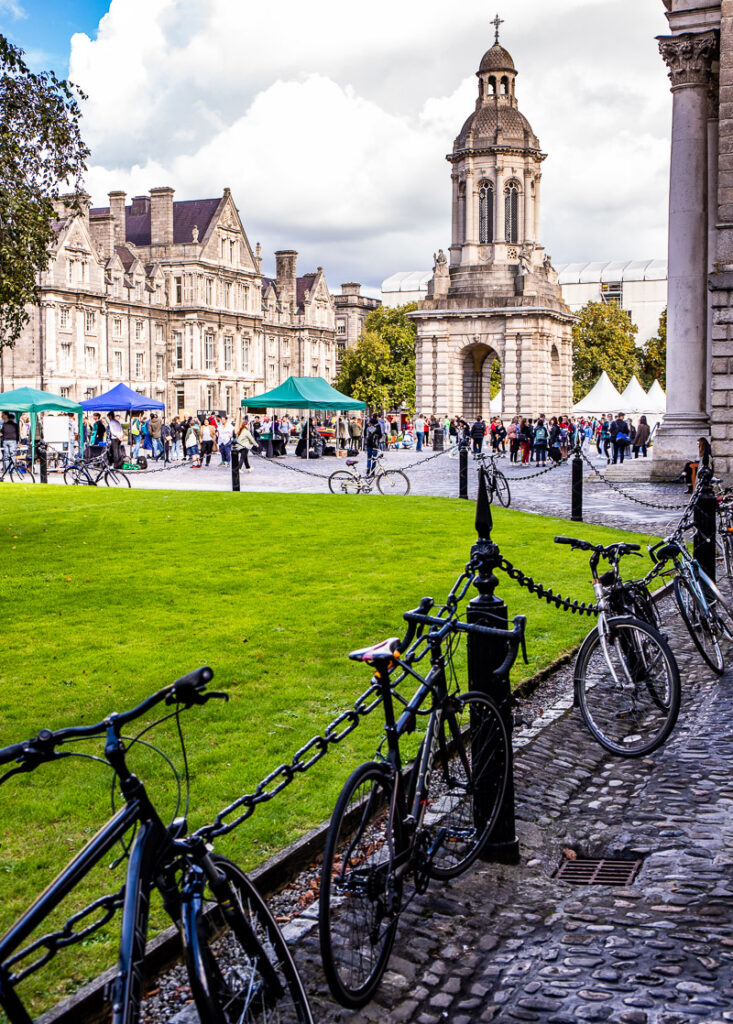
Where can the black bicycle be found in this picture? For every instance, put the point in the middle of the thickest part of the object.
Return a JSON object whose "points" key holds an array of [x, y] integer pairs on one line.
{"points": [[89, 472], [627, 683], [238, 963], [17, 468], [429, 822], [496, 482]]}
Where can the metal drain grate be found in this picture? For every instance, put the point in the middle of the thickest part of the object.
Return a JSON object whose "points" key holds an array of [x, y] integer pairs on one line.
{"points": [[598, 871]]}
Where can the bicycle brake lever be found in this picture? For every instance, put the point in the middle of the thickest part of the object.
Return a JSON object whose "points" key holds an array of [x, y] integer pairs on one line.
{"points": [[214, 695]]}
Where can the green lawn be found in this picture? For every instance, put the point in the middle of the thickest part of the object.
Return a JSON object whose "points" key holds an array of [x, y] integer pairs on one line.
{"points": [[109, 595]]}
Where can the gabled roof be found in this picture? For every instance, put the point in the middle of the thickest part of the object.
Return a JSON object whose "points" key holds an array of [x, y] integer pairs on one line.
{"points": [[303, 285], [186, 214], [126, 257]]}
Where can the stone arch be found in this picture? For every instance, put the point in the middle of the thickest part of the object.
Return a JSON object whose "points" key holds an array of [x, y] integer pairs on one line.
{"points": [[475, 363]]}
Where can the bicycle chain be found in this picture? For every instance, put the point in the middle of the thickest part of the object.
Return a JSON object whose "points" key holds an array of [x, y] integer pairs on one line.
{"points": [[66, 936]]}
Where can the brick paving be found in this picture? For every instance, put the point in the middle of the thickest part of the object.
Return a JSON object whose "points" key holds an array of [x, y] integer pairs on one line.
{"points": [[513, 943]]}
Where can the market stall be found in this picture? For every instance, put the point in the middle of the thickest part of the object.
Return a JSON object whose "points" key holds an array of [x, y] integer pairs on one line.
{"points": [[33, 401]]}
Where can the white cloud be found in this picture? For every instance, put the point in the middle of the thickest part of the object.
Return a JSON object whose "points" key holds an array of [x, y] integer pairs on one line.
{"points": [[331, 125], [13, 8]]}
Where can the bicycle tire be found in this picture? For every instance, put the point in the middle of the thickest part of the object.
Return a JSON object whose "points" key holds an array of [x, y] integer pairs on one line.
{"points": [[465, 792], [360, 897], [725, 538], [631, 720], [393, 481], [23, 475], [116, 478], [721, 613], [501, 489], [343, 482], [695, 619], [224, 961], [75, 475]]}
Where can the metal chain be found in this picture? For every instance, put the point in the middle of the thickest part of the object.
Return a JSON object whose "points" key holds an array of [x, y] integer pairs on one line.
{"points": [[67, 936], [308, 755], [564, 603], [541, 472], [631, 497]]}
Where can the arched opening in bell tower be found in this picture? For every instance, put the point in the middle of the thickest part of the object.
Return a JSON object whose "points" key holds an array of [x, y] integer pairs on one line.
{"points": [[511, 211], [479, 363], [486, 212]]}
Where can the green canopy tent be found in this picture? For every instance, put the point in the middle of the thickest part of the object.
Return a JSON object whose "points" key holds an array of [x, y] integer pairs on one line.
{"points": [[33, 401], [305, 393]]}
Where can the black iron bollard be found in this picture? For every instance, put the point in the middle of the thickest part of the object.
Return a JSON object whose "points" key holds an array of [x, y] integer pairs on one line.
{"points": [[462, 469], [706, 508], [234, 455], [576, 499], [42, 461], [485, 654]]}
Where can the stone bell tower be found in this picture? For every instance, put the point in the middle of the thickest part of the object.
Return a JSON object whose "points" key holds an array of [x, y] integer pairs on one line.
{"points": [[498, 295]]}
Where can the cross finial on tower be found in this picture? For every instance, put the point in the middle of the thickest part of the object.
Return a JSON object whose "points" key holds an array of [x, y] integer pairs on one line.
{"points": [[496, 23]]}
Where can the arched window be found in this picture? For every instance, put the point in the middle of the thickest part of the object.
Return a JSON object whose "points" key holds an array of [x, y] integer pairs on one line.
{"points": [[492, 85], [485, 212], [504, 85], [511, 211]]}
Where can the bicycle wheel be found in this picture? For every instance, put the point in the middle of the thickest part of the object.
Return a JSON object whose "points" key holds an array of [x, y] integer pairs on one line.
{"points": [[116, 478], [22, 475], [360, 896], [629, 692], [695, 617], [238, 962], [501, 489], [467, 784], [75, 475], [393, 481], [638, 602], [343, 482], [725, 543], [721, 615]]}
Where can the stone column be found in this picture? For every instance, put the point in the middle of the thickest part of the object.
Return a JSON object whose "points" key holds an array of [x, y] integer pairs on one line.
{"points": [[689, 58], [529, 234], [538, 179], [456, 220]]}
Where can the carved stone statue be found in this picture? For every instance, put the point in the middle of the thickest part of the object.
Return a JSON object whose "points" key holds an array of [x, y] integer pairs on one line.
{"points": [[195, 233]]}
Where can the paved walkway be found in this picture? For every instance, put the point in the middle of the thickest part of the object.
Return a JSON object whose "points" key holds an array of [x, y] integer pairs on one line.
{"points": [[438, 476]]}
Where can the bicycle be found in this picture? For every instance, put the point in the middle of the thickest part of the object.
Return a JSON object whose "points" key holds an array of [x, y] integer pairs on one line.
{"points": [[17, 468], [238, 963], [626, 680], [90, 472], [724, 538], [496, 483], [432, 824], [388, 481]]}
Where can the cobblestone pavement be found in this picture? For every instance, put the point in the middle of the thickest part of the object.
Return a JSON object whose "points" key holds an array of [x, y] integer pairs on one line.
{"points": [[548, 494], [515, 944]]}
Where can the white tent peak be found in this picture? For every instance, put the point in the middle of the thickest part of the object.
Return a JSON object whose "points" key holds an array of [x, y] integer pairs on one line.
{"points": [[656, 399], [634, 398], [603, 397]]}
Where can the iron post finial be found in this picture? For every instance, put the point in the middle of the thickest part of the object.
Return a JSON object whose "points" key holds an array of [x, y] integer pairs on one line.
{"points": [[497, 22]]}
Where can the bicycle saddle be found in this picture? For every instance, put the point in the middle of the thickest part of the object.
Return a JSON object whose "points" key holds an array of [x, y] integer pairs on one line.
{"points": [[383, 651], [351, 462]]}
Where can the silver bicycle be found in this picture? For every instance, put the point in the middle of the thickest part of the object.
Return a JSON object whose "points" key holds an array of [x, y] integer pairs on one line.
{"points": [[387, 481]]}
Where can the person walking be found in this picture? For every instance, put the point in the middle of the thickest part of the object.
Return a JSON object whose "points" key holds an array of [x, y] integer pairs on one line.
{"points": [[540, 442], [525, 440], [10, 438], [176, 442], [166, 436], [372, 439], [225, 433], [245, 444], [96, 437], [620, 437], [419, 426], [478, 433], [136, 434], [156, 438], [116, 435], [513, 438], [191, 442], [208, 438], [641, 440]]}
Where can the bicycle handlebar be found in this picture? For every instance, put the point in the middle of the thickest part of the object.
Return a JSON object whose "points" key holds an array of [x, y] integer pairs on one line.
{"points": [[188, 690], [513, 637]]}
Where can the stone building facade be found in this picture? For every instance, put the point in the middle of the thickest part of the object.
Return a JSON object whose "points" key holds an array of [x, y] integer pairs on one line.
{"points": [[699, 58], [498, 296], [352, 309], [169, 298]]}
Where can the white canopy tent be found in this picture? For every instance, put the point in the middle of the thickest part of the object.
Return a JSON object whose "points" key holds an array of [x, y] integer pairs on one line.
{"points": [[634, 398], [656, 400], [496, 404], [602, 398]]}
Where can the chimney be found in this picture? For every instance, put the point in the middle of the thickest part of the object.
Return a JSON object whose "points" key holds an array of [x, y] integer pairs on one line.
{"points": [[117, 209], [140, 206], [161, 215], [285, 276], [351, 288], [103, 232]]}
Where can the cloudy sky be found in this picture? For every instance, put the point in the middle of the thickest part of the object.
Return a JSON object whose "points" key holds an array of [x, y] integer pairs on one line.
{"points": [[330, 121]]}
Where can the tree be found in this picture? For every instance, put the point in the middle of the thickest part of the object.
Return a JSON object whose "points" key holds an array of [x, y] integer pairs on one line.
{"points": [[653, 360], [41, 152], [380, 369], [495, 379], [603, 339]]}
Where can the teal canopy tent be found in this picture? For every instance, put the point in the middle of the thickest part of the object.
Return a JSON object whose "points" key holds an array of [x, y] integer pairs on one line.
{"points": [[33, 401], [305, 393]]}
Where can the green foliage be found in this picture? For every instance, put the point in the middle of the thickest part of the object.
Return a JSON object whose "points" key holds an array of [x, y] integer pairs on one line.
{"points": [[41, 150], [653, 359], [495, 380], [603, 339], [380, 369]]}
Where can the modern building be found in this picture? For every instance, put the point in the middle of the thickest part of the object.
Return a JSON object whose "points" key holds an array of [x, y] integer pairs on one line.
{"points": [[638, 286], [498, 296], [170, 298], [352, 308]]}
